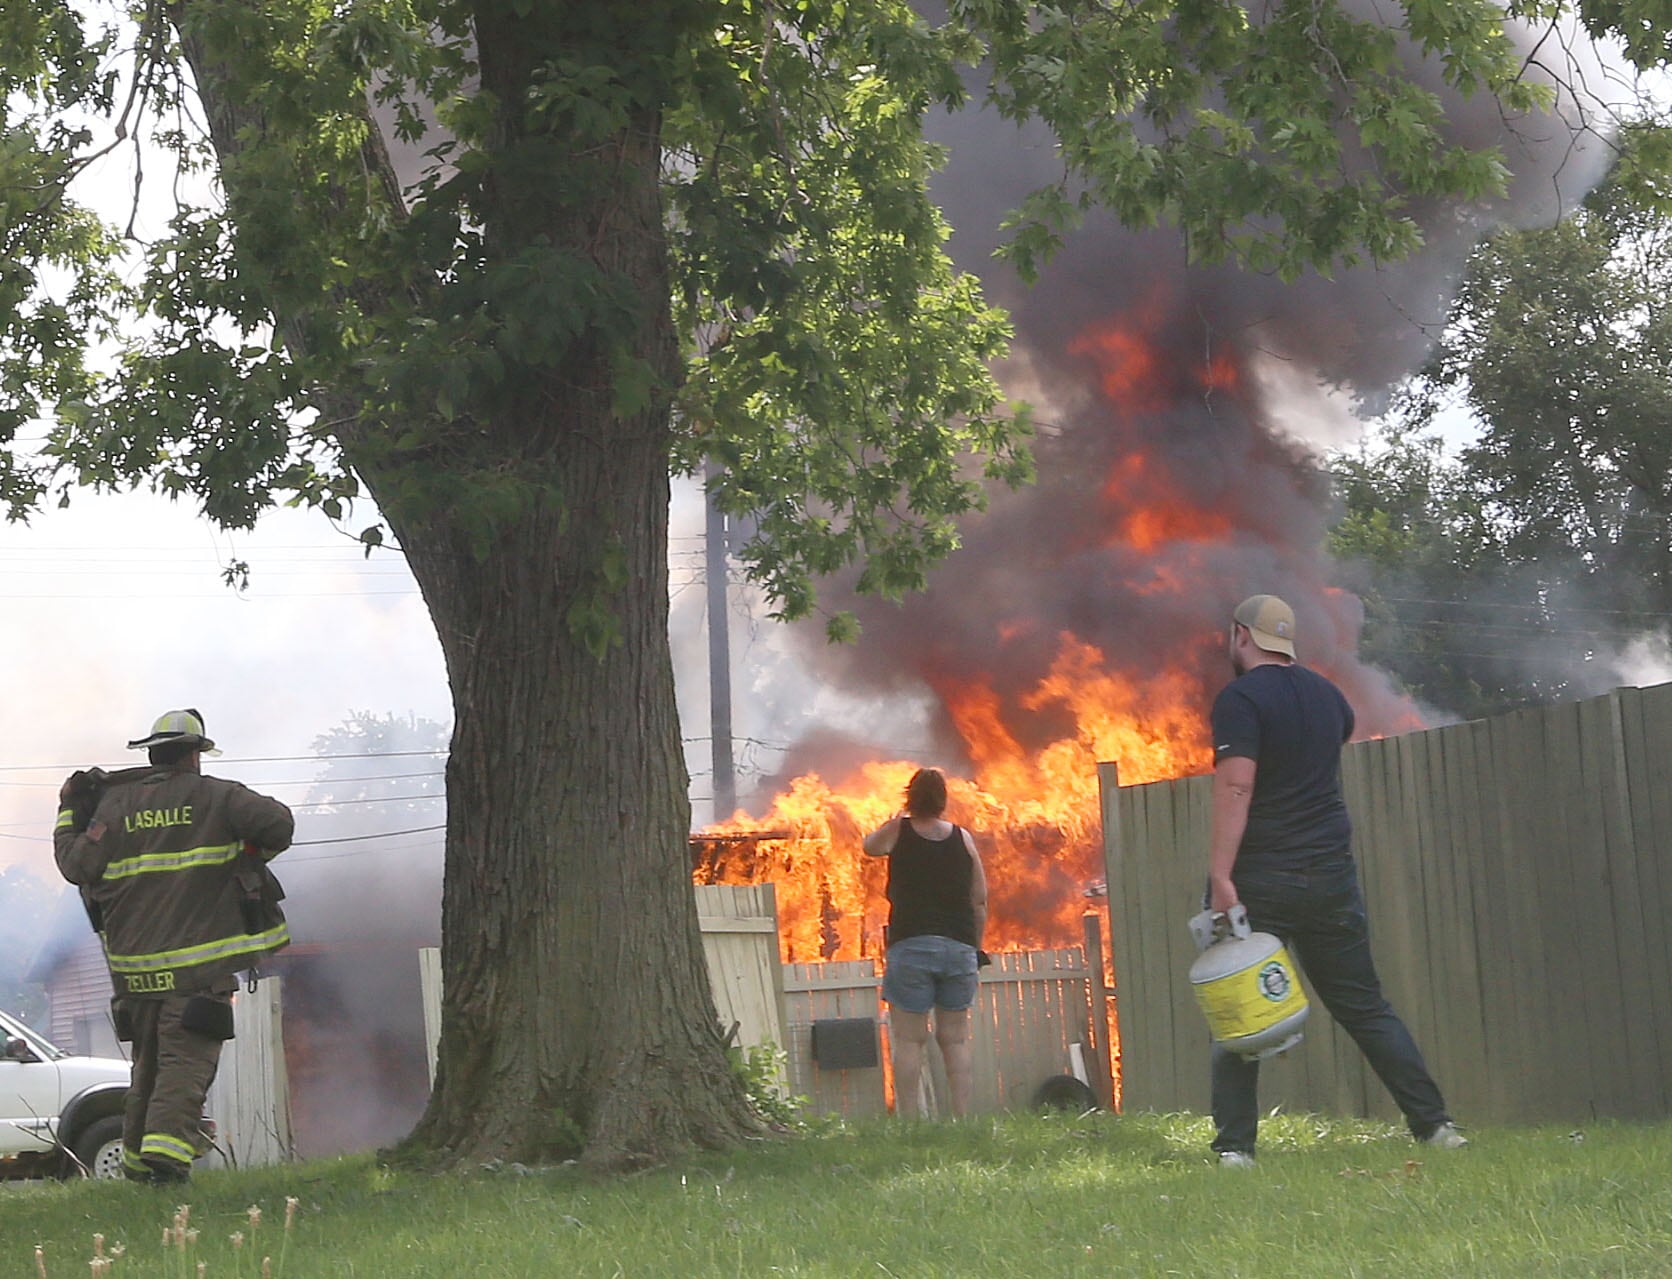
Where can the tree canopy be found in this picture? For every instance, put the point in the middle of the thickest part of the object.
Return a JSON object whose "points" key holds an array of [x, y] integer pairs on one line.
{"points": [[822, 323], [501, 265], [1514, 572]]}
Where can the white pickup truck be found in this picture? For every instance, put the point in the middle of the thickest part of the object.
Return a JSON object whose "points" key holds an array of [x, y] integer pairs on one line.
{"points": [[59, 1114]]}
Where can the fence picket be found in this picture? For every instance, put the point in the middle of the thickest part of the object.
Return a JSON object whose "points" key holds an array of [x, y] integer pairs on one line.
{"points": [[1651, 828], [1637, 1053]]}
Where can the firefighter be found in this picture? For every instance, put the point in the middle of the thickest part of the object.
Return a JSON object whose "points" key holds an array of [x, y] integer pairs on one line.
{"points": [[172, 866]]}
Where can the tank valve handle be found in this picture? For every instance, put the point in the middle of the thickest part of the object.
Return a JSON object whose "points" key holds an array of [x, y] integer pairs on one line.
{"points": [[1210, 926]]}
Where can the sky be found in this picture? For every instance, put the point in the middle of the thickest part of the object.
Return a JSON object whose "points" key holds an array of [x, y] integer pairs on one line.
{"points": [[114, 612]]}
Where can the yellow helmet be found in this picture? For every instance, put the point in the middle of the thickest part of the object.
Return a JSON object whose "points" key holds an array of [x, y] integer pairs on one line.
{"points": [[177, 726]]}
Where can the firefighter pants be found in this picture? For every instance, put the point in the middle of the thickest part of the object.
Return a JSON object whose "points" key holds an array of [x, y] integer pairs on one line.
{"points": [[172, 1070]]}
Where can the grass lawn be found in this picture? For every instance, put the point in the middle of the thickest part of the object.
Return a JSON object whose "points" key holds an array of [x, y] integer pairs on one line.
{"points": [[1014, 1195]]}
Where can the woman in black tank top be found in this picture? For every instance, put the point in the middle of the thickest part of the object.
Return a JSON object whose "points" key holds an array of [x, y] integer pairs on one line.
{"points": [[937, 895]]}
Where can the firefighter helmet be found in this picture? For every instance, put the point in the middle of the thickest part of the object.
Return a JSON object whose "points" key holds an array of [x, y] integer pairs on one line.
{"points": [[184, 726]]}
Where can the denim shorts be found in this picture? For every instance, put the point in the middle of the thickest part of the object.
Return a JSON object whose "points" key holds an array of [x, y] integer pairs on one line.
{"points": [[922, 973]]}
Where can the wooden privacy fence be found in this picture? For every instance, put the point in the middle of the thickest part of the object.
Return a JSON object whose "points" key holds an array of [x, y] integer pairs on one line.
{"points": [[250, 1098], [1519, 883], [1033, 1020], [740, 942]]}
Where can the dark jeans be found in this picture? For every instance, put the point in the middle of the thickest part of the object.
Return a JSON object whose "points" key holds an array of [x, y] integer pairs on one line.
{"points": [[1319, 914]]}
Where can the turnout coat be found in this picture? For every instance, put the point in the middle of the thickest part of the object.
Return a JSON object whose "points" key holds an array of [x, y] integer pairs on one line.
{"points": [[172, 864]]}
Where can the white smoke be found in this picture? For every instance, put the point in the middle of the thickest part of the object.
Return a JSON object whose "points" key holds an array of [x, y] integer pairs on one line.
{"points": [[1643, 661]]}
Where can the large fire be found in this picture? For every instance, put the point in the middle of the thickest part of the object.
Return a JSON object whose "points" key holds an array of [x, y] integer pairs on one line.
{"points": [[1033, 808], [1049, 703], [1035, 813]]}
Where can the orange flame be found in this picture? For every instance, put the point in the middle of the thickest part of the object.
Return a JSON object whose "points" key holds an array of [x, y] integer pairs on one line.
{"points": [[1152, 512], [1033, 805], [1128, 366], [1137, 378], [1035, 813]]}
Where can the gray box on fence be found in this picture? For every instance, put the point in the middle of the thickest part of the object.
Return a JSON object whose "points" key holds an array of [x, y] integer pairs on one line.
{"points": [[845, 1043]]}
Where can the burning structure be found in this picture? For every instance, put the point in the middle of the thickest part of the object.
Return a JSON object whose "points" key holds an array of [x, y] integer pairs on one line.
{"points": [[1086, 623], [1181, 410]]}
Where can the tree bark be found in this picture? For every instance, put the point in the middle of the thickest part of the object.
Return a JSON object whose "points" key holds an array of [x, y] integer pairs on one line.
{"points": [[577, 1018], [576, 1014]]}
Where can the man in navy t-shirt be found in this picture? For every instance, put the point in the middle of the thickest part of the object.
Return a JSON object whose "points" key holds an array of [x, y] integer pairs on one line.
{"points": [[1281, 846]]}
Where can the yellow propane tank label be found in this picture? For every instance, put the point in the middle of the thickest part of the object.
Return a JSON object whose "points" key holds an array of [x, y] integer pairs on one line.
{"points": [[1247, 1002]]}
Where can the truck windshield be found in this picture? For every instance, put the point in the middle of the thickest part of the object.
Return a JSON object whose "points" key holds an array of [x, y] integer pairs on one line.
{"points": [[45, 1049]]}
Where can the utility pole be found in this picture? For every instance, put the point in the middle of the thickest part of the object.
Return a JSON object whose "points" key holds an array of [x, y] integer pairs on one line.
{"points": [[719, 654]]}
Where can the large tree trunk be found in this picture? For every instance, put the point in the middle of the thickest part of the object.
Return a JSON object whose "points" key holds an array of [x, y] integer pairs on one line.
{"points": [[577, 1016], [576, 1013]]}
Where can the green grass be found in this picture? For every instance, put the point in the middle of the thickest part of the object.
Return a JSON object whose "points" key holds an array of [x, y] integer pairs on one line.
{"points": [[1017, 1195]]}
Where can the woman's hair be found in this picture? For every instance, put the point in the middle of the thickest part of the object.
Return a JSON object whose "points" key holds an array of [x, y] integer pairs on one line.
{"points": [[926, 793]]}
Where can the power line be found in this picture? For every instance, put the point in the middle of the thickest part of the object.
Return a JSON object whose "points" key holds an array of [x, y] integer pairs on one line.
{"points": [[313, 781], [300, 843], [240, 597], [355, 839], [386, 799], [1531, 659], [1527, 608], [315, 759], [1488, 629], [309, 568], [253, 759], [356, 852], [348, 544], [753, 741], [292, 759], [286, 781]]}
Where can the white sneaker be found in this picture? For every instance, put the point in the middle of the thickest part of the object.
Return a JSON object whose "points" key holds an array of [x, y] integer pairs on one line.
{"points": [[1235, 1159], [1446, 1137]]}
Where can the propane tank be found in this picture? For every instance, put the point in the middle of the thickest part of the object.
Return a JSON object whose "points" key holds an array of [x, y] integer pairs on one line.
{"points": [[1246, 985]]}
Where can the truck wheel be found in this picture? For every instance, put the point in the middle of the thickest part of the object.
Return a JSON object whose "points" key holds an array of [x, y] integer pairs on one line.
{"points": [[99, 1148]]}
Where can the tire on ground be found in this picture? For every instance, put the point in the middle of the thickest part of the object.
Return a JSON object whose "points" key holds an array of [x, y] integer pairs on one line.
{"points": [[1064, 1092], [99, 1148]]}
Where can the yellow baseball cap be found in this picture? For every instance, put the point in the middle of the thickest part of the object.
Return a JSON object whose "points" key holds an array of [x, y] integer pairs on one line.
{"points": [[1270, 621]]}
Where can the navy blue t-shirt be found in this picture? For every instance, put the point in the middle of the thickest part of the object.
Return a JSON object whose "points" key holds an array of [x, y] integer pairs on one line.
{"points": [[1291, 722]]}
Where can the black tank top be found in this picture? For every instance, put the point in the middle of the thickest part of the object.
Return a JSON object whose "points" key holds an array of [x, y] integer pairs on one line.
{"points": [[929, 887]]}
